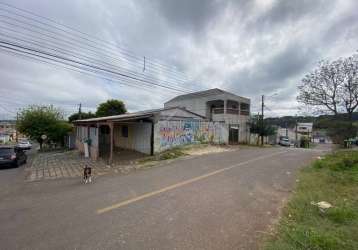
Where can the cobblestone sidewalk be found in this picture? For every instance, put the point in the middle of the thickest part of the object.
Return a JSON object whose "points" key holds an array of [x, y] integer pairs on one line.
{"points": [[55, 165]]}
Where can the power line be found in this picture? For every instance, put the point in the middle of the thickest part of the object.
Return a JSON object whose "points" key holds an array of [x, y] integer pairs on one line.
{"points": [[83, 57], [176, 88], [81, 70], [96, 72], [73, 30], [50, 56], [96, 50]]}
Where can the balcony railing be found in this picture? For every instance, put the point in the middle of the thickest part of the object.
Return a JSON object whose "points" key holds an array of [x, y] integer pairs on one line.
{"points": [[244, 112], [232, 111], [228, 111], [218, 111]]}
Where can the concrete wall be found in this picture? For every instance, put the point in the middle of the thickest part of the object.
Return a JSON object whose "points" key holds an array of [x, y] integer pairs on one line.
{"points": [[169, 134], [139, 137], [82, 134], [255, 139], [177, 114], [198, 104], [244, 129], [242, 121], [93, 136]]}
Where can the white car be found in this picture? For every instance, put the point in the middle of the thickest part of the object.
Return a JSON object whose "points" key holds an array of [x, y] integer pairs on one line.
{"points": [[24, 144], [284, 142]]}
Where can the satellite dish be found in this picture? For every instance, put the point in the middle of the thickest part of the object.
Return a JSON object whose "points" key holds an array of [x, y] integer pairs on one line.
{"points": [[43, 137]]}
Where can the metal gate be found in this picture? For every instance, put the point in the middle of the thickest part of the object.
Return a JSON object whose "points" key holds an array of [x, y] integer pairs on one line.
{"points": [[104, 141], [233, 133]]}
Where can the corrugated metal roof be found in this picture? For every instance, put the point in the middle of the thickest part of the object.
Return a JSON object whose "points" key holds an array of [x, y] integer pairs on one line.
{"points": [[200, 94], [131, 116]]}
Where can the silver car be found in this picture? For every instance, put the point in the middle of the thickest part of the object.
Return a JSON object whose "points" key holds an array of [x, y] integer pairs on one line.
{"points": [[24, 144], [284, 142]]}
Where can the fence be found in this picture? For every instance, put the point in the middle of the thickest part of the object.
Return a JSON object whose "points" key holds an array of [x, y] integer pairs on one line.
{"points": [[170, 134]]}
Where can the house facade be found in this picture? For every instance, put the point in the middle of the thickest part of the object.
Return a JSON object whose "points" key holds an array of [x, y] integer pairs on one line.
{"points": [[7, 130], [147, 132], [219, 106]]}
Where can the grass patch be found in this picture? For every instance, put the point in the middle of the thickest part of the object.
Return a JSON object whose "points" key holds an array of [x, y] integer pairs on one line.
{"points": [[171, 154], [165, 155], [304, 226]]}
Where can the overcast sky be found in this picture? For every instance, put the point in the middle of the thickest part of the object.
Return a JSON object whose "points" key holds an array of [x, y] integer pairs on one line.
{"points": [[245, 47]]}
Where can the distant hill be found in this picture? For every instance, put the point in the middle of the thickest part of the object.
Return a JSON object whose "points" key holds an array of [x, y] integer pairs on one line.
{"points": [[319, 122]]}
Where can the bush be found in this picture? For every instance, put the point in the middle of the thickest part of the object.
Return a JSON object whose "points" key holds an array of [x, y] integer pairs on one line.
{"points": [[339, 131], [171, 154], [341, 215], [340, 161]]}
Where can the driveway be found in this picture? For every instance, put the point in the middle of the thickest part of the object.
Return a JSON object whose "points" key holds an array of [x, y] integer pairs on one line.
{"points": [[226, 200]]}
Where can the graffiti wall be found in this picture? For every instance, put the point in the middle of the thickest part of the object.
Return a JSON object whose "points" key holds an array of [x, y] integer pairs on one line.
{"points": [[175, 133]]}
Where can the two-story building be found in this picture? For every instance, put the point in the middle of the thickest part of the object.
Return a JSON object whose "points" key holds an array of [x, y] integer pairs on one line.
{"points": [[219, 105], [213, 116]]}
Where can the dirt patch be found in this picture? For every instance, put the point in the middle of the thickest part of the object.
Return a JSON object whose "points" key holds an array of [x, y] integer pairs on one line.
{"points": [[207, 149]]}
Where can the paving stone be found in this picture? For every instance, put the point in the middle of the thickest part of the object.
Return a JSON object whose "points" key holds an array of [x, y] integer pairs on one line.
{"points": [[47, 173], [58, 172], [40, 173], [52, 172], [69, 164], [64, 172]]}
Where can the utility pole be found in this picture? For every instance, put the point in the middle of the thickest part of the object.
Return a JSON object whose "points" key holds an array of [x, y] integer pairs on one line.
{"points": [[296, 134], [79, 111], [16, 130], [262, 119]]}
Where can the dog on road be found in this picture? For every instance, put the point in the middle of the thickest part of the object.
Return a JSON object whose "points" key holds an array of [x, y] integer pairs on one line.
{"points": [[87, 174]]}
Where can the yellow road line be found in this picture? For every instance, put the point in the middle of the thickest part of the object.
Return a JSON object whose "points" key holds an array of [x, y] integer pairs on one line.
{"points": [[180, 184]]}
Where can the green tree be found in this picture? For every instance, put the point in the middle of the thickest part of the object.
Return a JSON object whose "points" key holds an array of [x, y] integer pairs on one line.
{"points": [[58, 130], [84, 115], [339, 131], [256, 127], [111, 107], [36, 121]]}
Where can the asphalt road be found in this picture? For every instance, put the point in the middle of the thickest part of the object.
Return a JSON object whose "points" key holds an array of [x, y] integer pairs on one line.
{"points": [[219, 201]]}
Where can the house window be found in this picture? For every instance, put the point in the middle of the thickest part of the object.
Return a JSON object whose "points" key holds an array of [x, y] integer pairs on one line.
{"points": [[125, 131], [244, 109]]}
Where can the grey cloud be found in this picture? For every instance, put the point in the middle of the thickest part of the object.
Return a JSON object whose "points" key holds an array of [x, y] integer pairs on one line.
{"points": [[284, 13], [189, 16], [274, 72], [240, 46]]}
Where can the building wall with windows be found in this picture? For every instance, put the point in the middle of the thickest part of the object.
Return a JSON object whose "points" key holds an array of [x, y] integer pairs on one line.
{"points": [[218, 106]]}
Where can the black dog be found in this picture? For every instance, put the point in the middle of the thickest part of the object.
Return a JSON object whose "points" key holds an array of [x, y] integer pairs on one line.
{"points": [[87, 171]]}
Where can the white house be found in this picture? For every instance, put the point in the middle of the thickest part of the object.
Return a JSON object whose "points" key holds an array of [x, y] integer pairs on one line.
{"points": [[219, 105]]}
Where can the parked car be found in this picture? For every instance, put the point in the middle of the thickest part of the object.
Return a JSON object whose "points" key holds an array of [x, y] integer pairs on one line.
{"points": [[24, 144], [12, 156], [284, 141]]}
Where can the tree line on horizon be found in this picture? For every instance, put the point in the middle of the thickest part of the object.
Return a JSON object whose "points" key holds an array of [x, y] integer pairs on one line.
{"points": [[47, 124], [108, 108]]}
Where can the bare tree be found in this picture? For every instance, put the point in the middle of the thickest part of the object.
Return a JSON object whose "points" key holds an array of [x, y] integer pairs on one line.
{"points": [[332, 86], [319, 89], [349, 88]]}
